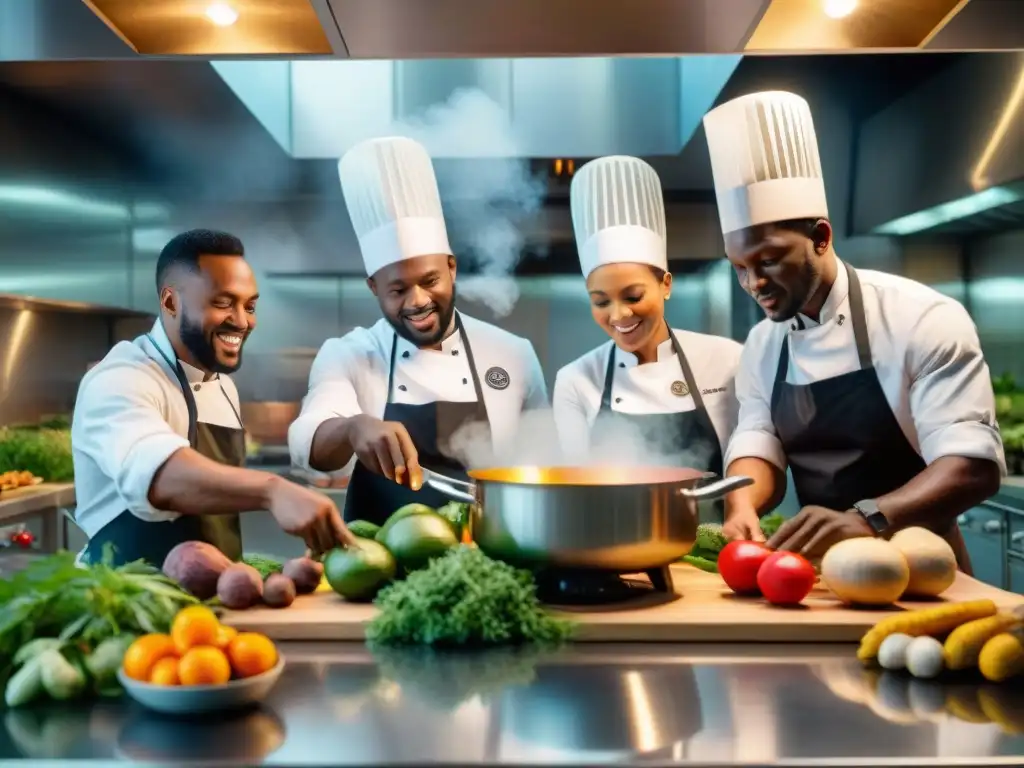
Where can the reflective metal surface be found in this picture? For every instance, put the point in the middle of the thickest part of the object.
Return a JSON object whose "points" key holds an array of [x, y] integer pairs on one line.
{"points": [[647, 705], [621, 519]]}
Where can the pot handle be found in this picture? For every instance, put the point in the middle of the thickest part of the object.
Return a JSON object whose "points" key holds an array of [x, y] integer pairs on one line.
{"points": [[717, 489], [451, 487]]}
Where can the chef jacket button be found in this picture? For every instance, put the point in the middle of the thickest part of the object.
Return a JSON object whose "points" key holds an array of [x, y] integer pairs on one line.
{"points": [[402, 387], [197, 387], [618, 399], [622, 365], [455, 351], [465, 381], [793, 327], [405, 354]]}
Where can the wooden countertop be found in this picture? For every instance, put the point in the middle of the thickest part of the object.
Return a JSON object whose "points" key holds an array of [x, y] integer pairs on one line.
{"points": [[23, 502], [702, 610]]}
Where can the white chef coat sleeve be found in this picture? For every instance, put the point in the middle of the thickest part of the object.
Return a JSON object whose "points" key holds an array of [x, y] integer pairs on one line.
{"points": [[951, 398], [121, 426], [754, 436], [332, 394], [536, 396], [731, 356], [570, 414]]}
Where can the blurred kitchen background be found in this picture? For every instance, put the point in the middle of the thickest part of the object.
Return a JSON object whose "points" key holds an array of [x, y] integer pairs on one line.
{"points": [[121, 127]]}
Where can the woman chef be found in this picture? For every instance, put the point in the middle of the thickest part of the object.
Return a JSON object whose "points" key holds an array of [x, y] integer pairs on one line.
{"points": [[871, 388], [671, 391], [393, 396]]}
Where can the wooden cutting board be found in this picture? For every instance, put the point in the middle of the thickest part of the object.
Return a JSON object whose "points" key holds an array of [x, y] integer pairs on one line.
{"points": [[703, 610]]}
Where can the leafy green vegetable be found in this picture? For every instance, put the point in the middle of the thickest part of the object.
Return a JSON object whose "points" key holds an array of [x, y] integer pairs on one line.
{"points": [[84, 605], [264, 564], [464, 598], [46, 453], [456, 513], [771, 523], [704, 563]]}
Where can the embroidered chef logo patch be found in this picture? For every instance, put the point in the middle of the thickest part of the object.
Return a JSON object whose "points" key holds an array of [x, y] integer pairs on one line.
{"points": [[497, 378], [679, 389]]}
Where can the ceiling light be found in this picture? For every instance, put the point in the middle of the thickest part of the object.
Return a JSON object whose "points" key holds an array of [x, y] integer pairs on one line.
{"points": [[839, 9], [221, 14]]}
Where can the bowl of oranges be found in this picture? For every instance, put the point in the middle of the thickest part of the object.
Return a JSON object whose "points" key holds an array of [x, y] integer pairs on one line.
{"points": [[201, 666]]}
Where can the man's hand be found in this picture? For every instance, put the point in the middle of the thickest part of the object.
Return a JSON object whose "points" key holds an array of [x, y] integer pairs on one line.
{"points": [[385, 447], [306, 513], [743, 524], [814, 529]]}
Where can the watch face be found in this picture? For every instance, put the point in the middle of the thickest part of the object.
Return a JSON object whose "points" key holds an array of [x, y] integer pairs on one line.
{"points": [[873, 515]]}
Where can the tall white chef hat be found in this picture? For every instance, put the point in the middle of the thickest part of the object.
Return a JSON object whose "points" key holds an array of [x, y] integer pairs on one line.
{"points": [[764, 159], [618, 213], [391, 194]]}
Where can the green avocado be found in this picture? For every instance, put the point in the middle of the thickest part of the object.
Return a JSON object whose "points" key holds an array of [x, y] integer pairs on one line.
{"points": [[416, 539], [400, 514], [359, 571]]}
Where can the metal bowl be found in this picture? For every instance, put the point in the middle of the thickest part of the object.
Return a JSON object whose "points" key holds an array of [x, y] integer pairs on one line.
{"points": [[622, 519]]}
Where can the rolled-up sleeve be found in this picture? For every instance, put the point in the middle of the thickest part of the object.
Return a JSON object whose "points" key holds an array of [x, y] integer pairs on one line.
{"points": [[570, 416], [120, 425], [332, 394], [754, 436], [536, 389], [951, 398]]}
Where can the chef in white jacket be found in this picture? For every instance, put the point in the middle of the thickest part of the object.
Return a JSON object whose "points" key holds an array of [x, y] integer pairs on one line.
{"points": [[871, 388], [390, 400], [673, 388]]}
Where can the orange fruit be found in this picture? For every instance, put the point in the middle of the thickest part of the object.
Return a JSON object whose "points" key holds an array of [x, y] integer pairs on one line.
{"points": [[224, 636], [252, 654], [204, 665], [144, 653], [165, 672], [195, 625]]}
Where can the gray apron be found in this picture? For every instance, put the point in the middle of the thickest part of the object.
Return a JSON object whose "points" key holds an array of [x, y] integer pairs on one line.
{"points": [[133, 538], [841, 438]]}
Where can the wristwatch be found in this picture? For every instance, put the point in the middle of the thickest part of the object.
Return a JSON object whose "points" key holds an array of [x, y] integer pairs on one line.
{"points": [[868, 509]]}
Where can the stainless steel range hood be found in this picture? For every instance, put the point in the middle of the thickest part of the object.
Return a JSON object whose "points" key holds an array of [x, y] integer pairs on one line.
{"points": [[949, 156]]}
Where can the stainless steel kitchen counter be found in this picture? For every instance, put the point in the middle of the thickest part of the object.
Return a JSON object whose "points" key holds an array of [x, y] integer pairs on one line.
{"points": [[653, 704]]}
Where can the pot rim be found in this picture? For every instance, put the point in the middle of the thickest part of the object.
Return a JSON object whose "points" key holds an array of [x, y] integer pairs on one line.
{"points": [[617, 476]]}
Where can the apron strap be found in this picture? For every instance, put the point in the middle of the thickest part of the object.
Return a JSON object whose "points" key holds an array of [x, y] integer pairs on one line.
{"points": [[186, 392], [684, 365], [860, 332], [481, 405]]}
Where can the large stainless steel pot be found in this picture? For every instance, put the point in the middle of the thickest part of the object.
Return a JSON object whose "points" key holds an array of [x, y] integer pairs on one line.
{"points": [[623, 519]]}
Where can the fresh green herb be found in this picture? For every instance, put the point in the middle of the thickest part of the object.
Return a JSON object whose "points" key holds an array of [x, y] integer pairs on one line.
{"points": [[448, 679], [83, 605], [46, 453], [456, 513], [265, 564], [464, 598]]}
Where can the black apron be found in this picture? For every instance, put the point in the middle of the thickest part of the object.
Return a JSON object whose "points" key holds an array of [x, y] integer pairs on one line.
{"points": [[372, 497], [673, 433], [133, 538], [841, 438]]}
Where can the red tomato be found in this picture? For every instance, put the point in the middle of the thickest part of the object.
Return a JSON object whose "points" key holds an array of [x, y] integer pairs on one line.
{"points": [[785, 578], [738, 565]]}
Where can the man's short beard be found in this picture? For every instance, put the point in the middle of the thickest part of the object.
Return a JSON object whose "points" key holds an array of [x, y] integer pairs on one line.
{"points": [[202, 350], [444, 316]]}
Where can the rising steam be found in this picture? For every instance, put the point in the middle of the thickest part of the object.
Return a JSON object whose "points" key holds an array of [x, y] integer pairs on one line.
{"points": [[486, 196]]}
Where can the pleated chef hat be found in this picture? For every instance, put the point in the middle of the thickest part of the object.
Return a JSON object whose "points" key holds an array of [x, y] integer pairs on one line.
{"points": [[391, 194], [618, 213], [764, 159]]}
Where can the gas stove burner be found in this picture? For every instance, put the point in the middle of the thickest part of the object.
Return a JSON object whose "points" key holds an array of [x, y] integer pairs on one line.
{"points": [[594, 587]]}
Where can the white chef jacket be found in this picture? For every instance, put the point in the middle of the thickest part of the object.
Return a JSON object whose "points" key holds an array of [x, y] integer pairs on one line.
{"points": [[350, 377], [647, 389], [130, 417], [926, 353]]}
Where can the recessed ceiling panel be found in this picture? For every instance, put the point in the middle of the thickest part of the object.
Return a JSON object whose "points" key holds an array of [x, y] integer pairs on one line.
{"points": [[843, 25], [216, 27]]}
